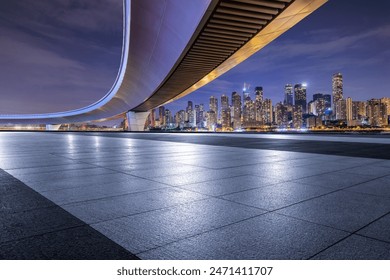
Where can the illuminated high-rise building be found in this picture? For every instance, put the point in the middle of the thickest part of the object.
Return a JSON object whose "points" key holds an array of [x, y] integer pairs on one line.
{"points": [[326, 97], [226, 119], [318, 105], [328, 102], [152, 118], [377, 113], [311, 107], [337, 89], [281, 117], [225, 112], [201, 115], [191, 114], [161, 115], [359, 110], [211, 120], [236, 104], [245, 91], [386, 101], [267, 108], [300, 97], [168, 117], [298, 117], [258, 107], [288, 95], [259, 93], [179, 118], [224, 102], [348, 109], [214, 105], [341, 109]]}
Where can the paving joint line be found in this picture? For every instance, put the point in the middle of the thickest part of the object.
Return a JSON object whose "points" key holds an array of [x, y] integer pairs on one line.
{"points": [[351, 234]]}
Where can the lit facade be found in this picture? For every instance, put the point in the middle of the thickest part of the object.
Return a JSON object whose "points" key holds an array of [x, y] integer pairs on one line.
{"points": [[161, 115], [340, 109], [337, 89], [237, 106], [214, 105], [281, 117], [225, 113], [298, 117], [348, 109], [377, 113], [288, 95], [267, 107], [300, 98]]}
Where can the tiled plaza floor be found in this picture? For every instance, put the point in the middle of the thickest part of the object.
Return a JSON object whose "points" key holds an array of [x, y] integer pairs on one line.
{"points": [[193, 196]]}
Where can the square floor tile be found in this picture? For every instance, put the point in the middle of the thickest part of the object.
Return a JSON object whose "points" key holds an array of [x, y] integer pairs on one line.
{"points": [[342, 210], [379, 229], [379, 187], [149, 230], [336, 180], [357, 248], [277, 196], [98, 191], [269, 236], [198, 177], [230, 185], [125, 205]]}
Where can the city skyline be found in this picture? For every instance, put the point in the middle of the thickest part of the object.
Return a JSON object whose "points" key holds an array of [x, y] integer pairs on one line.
{"points": [[252, 109], [73, 55], [252, 93]]}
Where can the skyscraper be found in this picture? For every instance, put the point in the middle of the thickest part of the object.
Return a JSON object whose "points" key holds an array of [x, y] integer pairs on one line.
{"points": [[226, 119], [201, 114], [267, 108], [161, 115], [168, 117], [359, 110], [321, 102], [288, 95], [197, 114], [211, 120], [245, 91], [258, 107], [259, 93], [225, 112], [281, 118], [152, 117], [377, 112], [328, 102], [337, 89], [300, 97], [386, 101], [214, 105], [349, 113], [297, 117], [236, 103], [224, 102], [191, 114], [179, 118], [341, 109], [327, 98]]}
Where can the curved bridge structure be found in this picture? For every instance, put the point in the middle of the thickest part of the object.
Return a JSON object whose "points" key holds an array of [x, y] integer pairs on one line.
{"points": [[173, 47]]}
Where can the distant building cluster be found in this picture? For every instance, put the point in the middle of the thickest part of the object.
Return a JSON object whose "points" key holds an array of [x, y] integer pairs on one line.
{"points": [[251, 111]]}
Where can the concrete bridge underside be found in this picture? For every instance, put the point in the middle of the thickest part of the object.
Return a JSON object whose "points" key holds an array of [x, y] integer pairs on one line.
{"points": [[172, 48]]}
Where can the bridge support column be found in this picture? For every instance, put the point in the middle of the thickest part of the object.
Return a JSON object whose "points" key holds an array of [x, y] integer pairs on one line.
{"points": [[136, 120], [53, 127]]}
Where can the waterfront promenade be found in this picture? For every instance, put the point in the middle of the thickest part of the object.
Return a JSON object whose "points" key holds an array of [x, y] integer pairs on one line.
{"points": [[194, 196]]}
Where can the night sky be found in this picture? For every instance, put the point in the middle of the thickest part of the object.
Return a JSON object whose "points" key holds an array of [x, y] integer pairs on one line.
{"points": [[58, 55]]}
